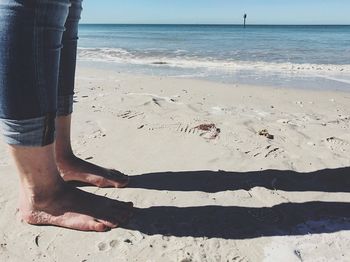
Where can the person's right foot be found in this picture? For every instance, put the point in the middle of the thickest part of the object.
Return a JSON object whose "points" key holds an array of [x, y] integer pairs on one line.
{"points": [[73, 208]]}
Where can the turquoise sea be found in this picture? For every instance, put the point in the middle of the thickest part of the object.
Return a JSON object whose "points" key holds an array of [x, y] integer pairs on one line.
{"points": [[292, 56]]}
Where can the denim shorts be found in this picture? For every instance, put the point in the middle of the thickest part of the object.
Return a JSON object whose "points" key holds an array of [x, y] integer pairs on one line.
{"points": [[38, 47]]}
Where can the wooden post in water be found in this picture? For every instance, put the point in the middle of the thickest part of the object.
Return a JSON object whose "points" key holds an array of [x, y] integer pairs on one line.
{"points": [[245, 18]]}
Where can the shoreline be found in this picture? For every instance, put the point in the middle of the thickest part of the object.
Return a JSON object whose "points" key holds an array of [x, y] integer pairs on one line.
{"points": [[113, 72], [271, 79]]}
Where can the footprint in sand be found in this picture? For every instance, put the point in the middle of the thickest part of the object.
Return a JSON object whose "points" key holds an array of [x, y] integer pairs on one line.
{"points": [[97, 134], [103, 246], [187, 129], [338, 144], [113, 243], [206, 131], [130, 114], [264, 151]]}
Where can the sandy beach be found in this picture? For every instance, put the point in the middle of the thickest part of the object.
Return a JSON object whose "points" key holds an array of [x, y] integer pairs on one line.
{"points": [[219, 172]]}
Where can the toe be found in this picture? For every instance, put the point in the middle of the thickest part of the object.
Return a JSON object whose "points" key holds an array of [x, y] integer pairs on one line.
{"points": [[98, 226], [111, 223], [120, 180]]}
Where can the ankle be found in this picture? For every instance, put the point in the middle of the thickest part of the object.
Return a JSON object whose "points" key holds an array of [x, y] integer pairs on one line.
{"points": [[63, 147], [41, 195], [64, 156]]}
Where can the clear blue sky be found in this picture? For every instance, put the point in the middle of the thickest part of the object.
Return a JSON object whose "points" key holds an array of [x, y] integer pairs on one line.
{"points": [[217, 11]]}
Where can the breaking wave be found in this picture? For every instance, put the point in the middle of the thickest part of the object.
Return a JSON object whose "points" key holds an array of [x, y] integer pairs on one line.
{"points": [[181, 59]]}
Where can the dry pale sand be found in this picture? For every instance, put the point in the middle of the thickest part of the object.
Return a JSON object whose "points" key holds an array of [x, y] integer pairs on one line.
{"points": [[203, 192]]}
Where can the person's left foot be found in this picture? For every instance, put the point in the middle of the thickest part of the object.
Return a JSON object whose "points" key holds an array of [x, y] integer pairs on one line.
{"points": [[75, 169]]}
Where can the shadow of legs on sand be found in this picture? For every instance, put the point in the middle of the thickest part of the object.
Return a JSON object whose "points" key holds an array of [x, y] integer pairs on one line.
{"points": [[327, 180], [243, 222]]}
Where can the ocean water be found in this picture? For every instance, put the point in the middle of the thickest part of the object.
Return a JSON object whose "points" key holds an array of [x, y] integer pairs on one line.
{"points": [[292, 56]]}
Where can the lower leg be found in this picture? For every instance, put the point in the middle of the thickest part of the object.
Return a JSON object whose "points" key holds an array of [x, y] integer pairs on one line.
{"points": [[46, 199], [39, 177], [73, 168]]}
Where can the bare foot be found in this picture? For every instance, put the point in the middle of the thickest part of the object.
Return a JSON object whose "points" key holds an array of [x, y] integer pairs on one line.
{"points": [[72, 208], [73, 168]]}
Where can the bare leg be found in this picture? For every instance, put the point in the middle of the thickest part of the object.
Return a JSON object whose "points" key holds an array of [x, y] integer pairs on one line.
{"points": [[73, 168], [45, 199]]}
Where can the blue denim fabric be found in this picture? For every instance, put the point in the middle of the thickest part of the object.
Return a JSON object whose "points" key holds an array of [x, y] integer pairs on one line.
{"points": [[38, 42], [29, 132], [68, 60]]}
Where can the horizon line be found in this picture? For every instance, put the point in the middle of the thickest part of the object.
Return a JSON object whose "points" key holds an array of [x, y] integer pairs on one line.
{"points": [[253, 24]]}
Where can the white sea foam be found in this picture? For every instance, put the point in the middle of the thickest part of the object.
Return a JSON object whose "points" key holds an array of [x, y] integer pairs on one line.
{"points": [[119, 55]]}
